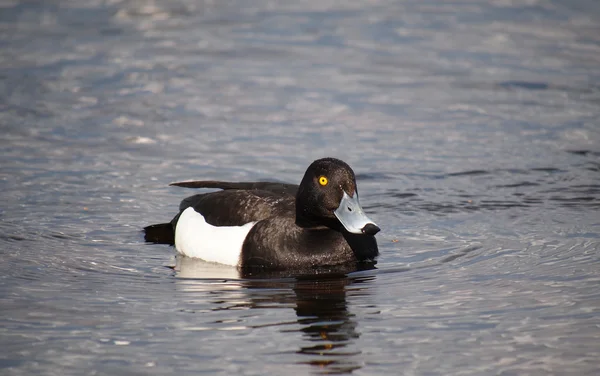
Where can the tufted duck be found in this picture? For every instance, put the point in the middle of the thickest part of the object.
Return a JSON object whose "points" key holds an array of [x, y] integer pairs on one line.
{"points": [[274, 225]]}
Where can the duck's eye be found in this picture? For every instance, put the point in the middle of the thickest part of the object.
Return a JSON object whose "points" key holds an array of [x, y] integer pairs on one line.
{"points": [[323, 181]]}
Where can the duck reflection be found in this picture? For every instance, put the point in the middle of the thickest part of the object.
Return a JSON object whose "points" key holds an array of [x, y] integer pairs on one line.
{"points": [[326, 324], [328, 328]]}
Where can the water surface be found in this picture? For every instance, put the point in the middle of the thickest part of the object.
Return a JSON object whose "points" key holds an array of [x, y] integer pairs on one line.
{"points": [[473, 128]]}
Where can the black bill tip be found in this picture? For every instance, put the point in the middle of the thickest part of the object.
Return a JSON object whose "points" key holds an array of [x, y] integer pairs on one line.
{"points": [[370, 229]]}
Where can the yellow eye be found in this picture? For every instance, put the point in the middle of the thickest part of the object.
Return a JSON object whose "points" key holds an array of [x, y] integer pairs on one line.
{"points": [[323, 180]]}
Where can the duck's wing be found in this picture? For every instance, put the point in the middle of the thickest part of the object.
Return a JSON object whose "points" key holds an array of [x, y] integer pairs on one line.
{"points": [[273, 187], [232, 207], [237, 207], [238, 204]]}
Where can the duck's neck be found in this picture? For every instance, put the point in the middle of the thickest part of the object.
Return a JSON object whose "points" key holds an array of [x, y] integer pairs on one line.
{"points": [[306, 222], [309, 224]]}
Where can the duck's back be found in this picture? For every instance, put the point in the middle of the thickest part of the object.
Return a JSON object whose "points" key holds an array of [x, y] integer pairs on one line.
{"points": [[237, 204], [238, 207]]}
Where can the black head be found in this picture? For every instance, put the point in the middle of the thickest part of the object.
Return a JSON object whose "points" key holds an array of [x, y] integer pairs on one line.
{"points": [[327, 196]]}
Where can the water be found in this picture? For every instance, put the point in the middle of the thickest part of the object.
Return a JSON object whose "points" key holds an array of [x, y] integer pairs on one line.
{"points": [[473, 128]]}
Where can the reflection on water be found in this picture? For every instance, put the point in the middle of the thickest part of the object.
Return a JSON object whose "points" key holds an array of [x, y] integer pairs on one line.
{"points": [[327, 324], [190, 268], [328, 329]]}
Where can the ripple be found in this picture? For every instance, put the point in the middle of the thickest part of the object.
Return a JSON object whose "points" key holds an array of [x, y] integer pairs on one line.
{"points": [[469, 173], [585, 153], [524, 85]]}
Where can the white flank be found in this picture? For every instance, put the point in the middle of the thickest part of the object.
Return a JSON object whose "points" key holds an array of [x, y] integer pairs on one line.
{"points": [[194, 237]]}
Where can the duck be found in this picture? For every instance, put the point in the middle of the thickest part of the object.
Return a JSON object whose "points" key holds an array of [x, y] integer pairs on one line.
{"points": [[274, 226]]}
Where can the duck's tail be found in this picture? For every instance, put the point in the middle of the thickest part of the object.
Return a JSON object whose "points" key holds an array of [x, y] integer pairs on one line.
{"points": [[161, 233]]}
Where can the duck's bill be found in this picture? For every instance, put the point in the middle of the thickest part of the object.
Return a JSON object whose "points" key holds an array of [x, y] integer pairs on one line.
{"points": [[353, 218]]}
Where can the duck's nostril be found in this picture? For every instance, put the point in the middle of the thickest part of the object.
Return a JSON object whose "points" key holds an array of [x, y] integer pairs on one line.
{"points": [[370, 229]]}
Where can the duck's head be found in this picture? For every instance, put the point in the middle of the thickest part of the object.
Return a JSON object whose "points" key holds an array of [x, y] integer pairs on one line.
{"points": [[327, 196]]}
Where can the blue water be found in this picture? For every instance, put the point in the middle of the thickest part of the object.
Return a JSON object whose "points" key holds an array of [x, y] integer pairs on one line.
{"points": [[473, 128]]}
